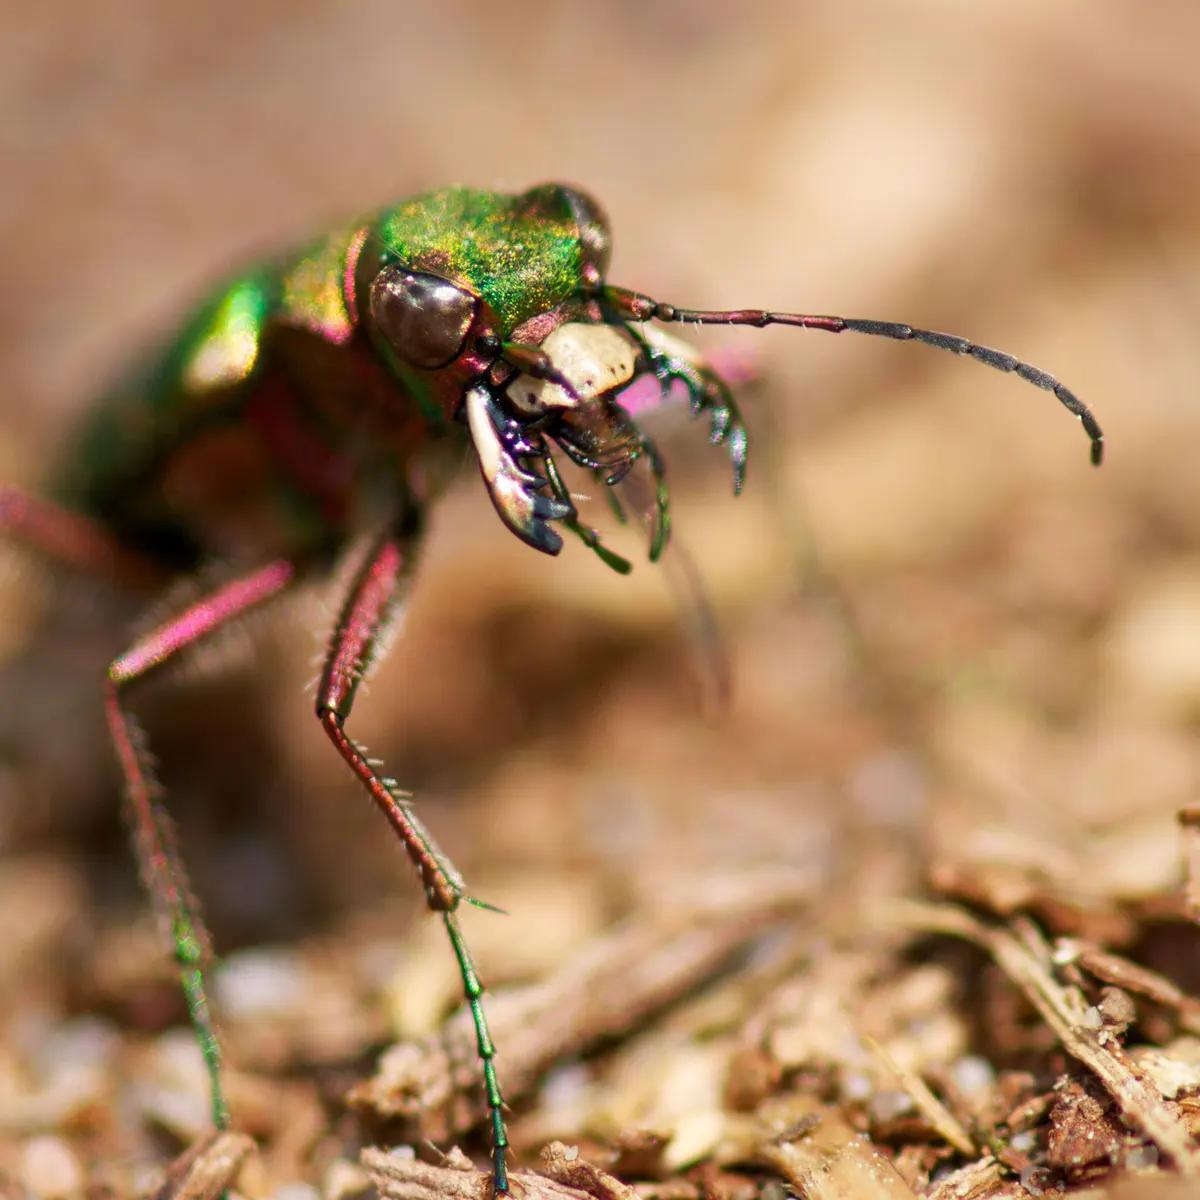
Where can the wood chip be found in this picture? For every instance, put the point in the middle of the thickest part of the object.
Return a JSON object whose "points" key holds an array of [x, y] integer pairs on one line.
{"points": [[611, 987], [1113, 968], [564, 1165], [402, 1178], [977, 1181], [1063, 1009], [931, 1108], [206, 1169], [822, 1157], [1084, 1130]]}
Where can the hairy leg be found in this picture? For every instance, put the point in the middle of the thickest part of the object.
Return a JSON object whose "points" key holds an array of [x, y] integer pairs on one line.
{"points": [[153, 834], [357, 641], [74, 540]]}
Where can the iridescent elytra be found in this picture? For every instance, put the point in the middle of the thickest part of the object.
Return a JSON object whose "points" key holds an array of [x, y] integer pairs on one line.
{"points": [[296, 408]]}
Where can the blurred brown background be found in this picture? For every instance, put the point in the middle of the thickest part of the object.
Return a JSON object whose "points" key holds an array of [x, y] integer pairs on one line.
{"points": [[955, 645]]}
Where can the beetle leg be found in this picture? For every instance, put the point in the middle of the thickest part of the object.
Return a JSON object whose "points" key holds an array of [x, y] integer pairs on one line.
{"points": [[357, 642], [74, 540], [153, 833], [660, 520], [670, 361], [586, 534]]}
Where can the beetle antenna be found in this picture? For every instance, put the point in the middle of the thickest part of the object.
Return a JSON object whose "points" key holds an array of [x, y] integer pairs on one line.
{"points": [[641, 308]]}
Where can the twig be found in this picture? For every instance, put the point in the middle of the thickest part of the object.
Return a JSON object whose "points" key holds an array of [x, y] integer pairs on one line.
{"points": [[604, 991], [207, 1168], [564, 1165], [976, 1181], [1189, 821], [1062, 1008], [1114, 969], [930, 1107], [398, 1178]]}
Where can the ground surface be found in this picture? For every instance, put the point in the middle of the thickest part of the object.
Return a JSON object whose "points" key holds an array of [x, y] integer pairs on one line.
{"points": [[922, 875]]}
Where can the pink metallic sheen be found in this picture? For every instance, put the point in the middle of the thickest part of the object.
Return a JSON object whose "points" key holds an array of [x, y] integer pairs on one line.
{"points": [[358, 628], [644, 394], [202, 618], [353, 253]]}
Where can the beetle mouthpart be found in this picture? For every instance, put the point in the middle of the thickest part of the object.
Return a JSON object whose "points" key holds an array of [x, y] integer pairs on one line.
{"points": [[501, 444], [534, 362], [600, 437], [591, 359]]}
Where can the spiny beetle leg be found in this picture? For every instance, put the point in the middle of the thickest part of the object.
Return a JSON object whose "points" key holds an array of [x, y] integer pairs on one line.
{"points": [[75, 541], [153, 834], [377, 590], [726, 424], [660, 522], [585, 533], [707, 393]]}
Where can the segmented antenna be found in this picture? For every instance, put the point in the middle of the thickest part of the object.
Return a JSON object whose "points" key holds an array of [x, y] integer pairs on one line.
{"points": [[642, 308]]}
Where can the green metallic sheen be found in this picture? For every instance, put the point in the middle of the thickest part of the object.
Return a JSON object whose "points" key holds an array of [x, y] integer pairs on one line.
{"points": [[225, 444], [522, 254]]}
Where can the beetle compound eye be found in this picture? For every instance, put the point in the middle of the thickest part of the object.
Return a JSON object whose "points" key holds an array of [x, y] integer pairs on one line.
{"points": [[425, 318], [595, 241]]}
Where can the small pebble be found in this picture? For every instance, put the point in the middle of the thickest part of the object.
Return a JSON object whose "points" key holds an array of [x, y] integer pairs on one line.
{"points": [[566, 1087], [695, 1137], [1142, 1158], [857, 1086], [85, 1041], [260, 983], [344, 1179], [1117, 1007], [973, 1075], [49, 1168], [890, 1104], [1065, 951], [296, 1191]]}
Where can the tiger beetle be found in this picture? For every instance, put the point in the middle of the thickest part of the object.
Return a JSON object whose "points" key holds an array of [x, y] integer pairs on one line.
{"points": [[298, 406]]}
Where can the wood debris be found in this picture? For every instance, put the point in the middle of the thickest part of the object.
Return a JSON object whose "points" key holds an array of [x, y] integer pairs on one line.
{"points": [[916, 911], [207, 1169], [619, 981]]}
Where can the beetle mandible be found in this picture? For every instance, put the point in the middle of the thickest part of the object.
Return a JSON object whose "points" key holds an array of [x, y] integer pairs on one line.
{"points": [[294, 409]]}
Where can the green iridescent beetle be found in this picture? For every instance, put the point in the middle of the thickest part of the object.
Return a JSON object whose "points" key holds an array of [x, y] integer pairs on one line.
{"points": [[297, 408]]}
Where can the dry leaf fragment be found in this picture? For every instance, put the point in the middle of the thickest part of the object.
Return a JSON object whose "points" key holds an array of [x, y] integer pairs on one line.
{"points": [[207, 1168], [823, 1157]]}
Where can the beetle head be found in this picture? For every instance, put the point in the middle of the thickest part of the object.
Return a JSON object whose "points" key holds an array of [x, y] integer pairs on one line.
{"points": [[566, 395], [489, 308]]}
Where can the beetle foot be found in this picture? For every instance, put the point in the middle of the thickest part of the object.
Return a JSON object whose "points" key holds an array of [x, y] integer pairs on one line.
{"points": [[707, 393]]}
